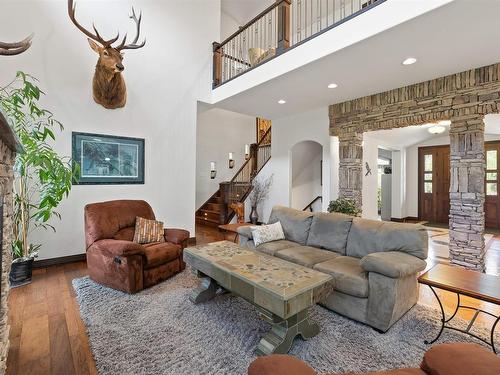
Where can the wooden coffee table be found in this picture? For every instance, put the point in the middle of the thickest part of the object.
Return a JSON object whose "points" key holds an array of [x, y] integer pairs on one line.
{"points": [[468, 283], [283, 292]]}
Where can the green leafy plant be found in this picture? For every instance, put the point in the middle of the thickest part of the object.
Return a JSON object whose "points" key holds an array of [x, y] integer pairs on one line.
{"points": [[42, 177], [345, 206]]}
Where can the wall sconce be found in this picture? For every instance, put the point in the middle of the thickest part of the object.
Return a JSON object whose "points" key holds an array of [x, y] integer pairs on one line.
{"points": [[213, 172], [231, 161], [247, 152]]}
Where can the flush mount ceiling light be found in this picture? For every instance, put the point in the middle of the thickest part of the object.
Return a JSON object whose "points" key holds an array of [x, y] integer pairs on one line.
{"points": [[333, 86], [409, 61], [436, 129], [445, 123], [281, 101]]}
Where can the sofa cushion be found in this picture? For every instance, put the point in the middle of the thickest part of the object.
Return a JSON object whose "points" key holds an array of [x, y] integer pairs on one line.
{"points": [[460, 359], [295, 223], [160, 252], [271, 248], [330, 231], [373, 236], [306, 255], [347, 274]]}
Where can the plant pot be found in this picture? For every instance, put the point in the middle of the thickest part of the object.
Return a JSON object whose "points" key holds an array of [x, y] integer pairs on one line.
{"points": [[254, 216], [20, 272]]}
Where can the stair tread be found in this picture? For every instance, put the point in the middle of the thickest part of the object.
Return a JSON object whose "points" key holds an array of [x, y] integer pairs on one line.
{"points": [[209, 211], [203, 218]]}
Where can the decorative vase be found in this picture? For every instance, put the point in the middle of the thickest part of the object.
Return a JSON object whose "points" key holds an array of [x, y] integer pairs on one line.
{"points": [[254, 216], [21, 271]]}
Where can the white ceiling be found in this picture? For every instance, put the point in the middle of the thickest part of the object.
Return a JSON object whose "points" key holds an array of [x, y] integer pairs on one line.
{"points": [[396, 139], [461, 35]]}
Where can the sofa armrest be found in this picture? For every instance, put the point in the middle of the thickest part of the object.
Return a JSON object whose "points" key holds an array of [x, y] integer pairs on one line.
{"points": [[176, 236], [394, 264], [245, 231], [117, 247]]}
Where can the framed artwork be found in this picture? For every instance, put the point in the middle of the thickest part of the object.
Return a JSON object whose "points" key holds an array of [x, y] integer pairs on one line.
{"points": [[107, 159]]}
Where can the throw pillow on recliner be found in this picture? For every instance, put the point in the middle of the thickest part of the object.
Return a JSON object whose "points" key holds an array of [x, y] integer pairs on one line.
{"points": [[148, 231]]}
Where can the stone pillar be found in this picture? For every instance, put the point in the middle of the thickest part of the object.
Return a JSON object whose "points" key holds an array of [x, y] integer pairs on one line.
{"points": [[351, 166], [6, 180], [467, 164]]}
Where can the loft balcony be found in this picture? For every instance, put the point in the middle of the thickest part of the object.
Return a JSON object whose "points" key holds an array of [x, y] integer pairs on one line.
{"points": [[281, 27]]}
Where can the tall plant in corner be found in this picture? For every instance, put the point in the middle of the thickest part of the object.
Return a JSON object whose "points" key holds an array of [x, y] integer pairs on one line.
{"points": [[42, 177]]}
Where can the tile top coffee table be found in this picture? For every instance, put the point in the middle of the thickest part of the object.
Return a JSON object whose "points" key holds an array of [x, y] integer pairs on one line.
{"points": [[468, 283], [283, 292]]}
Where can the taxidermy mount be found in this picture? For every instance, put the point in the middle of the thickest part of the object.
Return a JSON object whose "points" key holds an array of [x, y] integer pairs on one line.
{"points": [[16, 48], [108, 85]]}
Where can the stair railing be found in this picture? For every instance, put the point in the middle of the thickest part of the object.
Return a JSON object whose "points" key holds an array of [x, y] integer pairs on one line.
{"points": [[240, 186], [310, 205], [277, 29]]}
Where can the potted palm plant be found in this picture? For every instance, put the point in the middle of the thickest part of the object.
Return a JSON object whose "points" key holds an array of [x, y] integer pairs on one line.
{"points": [[42, 178]]}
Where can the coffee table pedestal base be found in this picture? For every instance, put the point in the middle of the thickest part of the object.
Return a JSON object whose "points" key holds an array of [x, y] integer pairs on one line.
{"points": [[206, 291], [280, 339]]}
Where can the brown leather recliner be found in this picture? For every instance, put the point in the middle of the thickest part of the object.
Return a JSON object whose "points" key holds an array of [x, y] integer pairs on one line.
{"points": [[115, 261], [442, 359]]}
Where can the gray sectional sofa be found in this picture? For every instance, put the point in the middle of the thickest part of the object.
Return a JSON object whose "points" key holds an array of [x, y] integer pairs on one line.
{"points": [[374, 264]]}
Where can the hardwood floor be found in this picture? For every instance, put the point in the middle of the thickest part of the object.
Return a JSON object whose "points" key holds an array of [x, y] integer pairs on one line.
{"points": [[48, 336]]}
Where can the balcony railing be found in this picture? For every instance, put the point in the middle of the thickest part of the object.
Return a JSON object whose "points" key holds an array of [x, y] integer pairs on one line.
{"points": [[282, 26]]}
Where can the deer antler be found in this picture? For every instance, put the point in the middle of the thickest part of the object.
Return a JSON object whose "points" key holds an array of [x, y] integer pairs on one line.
{"points": [[11, 49], [133, 45], [96, 37]]}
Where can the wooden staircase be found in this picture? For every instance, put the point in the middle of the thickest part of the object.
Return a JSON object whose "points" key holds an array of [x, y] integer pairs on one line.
{"points": [[215, 211]]}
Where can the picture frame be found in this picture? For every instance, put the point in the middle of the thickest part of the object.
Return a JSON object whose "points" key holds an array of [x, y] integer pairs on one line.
{"points": [[108, 159]]}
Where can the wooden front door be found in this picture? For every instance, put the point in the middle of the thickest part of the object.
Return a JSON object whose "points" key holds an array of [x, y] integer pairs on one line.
{"points": [[492, 199], [434, 183]]}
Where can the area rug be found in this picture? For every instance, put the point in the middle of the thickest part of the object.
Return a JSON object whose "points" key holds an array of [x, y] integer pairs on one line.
{"points": [[159, 331]]}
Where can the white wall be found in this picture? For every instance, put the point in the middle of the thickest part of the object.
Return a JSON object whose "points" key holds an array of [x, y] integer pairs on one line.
{"points": [[306, 173], [286, 132], [164, 81], [218, 133]]}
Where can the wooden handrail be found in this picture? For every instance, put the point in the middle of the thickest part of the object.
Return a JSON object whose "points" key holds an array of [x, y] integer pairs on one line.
{"points": [[250, 159], [309, 206]]}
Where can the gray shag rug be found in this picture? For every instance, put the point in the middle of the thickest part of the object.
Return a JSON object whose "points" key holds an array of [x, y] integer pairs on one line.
{"points": [[159, 331]]}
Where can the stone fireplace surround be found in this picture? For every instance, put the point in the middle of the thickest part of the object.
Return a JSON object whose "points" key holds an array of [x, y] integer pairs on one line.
{"points": [[8, 148], [464, 98]]}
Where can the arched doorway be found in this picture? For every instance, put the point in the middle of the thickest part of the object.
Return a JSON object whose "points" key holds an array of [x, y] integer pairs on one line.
{"points": [[306, 175]]}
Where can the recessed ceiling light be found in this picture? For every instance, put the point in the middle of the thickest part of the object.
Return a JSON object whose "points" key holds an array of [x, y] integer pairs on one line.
{"points": [[436, 129], [281, 101], [333, 86], [445, 123], [410, 61]]}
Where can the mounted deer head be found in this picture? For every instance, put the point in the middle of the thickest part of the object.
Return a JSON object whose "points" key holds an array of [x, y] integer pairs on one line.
{"points": [[108, 85], [11, 49]]}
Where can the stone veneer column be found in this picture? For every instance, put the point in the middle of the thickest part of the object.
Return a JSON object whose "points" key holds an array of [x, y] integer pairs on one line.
{"points": [[6, 179], [467, 164], [351, 166]]}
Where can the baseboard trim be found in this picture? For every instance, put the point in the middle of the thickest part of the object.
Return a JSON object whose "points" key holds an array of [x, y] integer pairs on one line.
{"points": [[60, 260], [191, 241]]}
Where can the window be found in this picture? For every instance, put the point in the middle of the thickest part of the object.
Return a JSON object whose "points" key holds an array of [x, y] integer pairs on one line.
{"points": [[428, 174], [491, 173]]}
